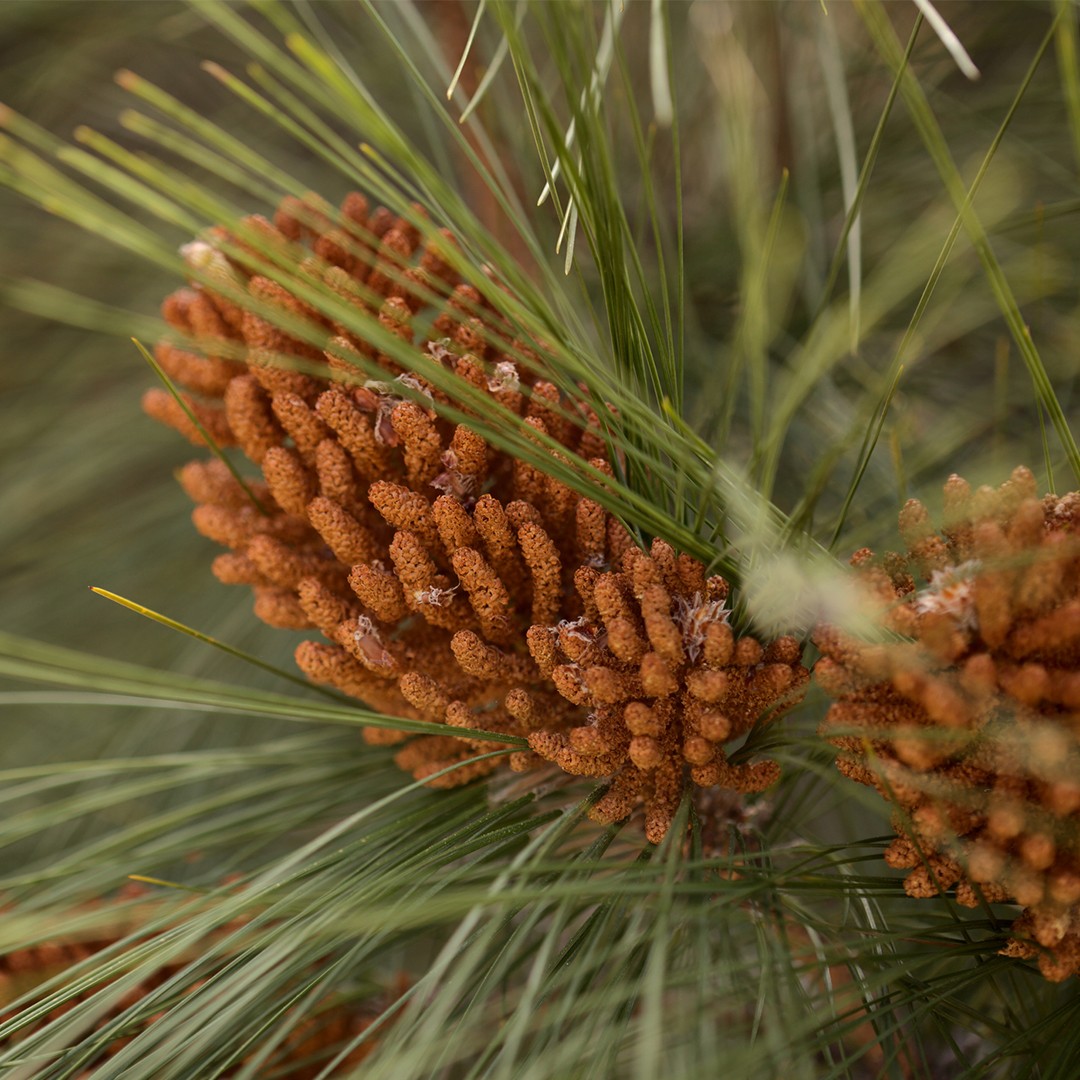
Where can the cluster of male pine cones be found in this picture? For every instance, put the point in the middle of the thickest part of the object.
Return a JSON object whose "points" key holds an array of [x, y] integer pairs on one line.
{"points": [[969, 722], [456, 583], [451, 581]]}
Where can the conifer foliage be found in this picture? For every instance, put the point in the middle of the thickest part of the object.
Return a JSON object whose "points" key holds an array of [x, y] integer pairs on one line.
{"points": [[545, 363]]}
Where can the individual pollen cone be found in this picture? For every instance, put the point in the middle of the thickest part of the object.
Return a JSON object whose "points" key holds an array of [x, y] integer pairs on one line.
{"points": [[452, 582], [969, 724]]}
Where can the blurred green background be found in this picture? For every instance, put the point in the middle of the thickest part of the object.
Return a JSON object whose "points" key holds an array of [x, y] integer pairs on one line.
{"points": [[88, 494]]}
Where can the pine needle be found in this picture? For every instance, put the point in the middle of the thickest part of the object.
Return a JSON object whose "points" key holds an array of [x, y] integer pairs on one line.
{"points": [[230, 650], [203, 433]]}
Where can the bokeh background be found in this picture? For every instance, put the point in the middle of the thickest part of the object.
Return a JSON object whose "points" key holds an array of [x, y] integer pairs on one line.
{"points": [[86, 479]]}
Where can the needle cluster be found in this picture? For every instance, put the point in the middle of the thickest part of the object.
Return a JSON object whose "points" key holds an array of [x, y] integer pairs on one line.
{"points": [[302, 1055]]}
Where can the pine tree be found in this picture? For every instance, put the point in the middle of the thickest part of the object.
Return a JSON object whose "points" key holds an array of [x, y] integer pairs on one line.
{"points": [[553, 371]]}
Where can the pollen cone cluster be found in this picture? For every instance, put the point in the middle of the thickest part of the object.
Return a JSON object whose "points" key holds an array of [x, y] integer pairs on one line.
{"points": [[451, 582], [970, 723]]}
